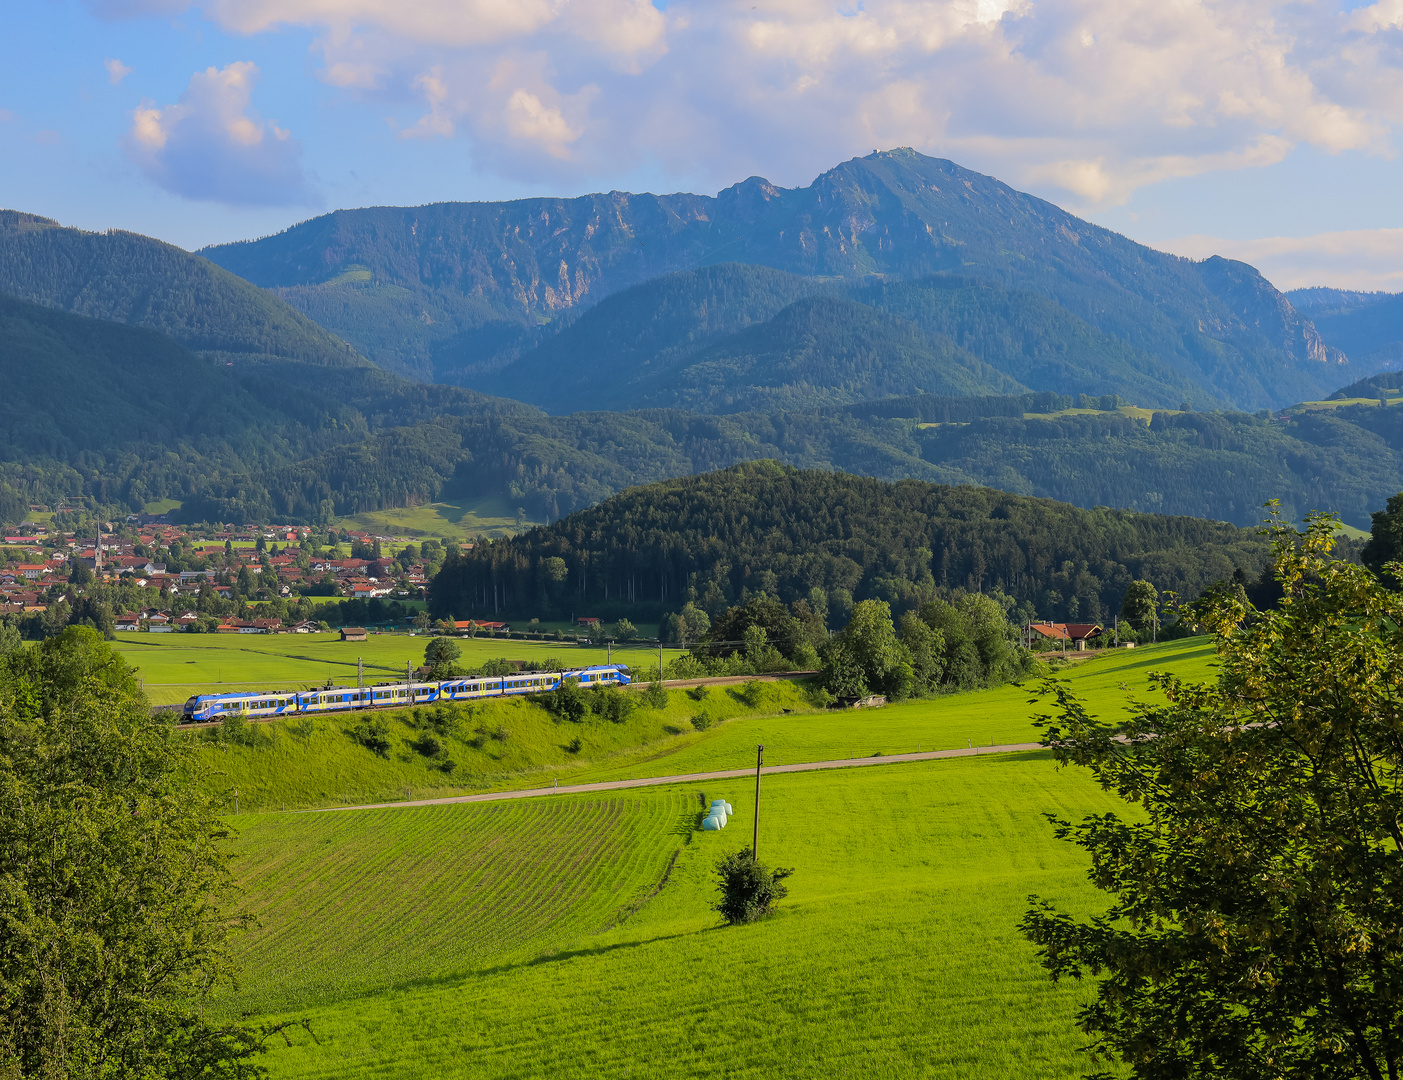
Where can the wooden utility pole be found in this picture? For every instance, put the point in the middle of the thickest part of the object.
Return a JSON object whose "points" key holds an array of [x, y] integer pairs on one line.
{"points": [[755, 836]]}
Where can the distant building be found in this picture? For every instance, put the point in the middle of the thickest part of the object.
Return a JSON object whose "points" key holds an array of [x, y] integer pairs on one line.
{"points": [[353, 633], [1076, 634]]}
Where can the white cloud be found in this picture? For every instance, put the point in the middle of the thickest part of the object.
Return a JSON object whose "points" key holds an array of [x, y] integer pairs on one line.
{"points": [[116, 70], [1092, 97], [1366, 259], [211, 145]]}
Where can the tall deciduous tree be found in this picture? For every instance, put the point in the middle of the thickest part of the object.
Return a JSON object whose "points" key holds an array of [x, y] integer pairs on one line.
{"points": [[1257, 922], [1141, 604], [113, 878]]}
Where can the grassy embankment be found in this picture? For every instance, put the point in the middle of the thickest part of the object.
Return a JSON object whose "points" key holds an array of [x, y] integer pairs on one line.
{"points": [[485, 940]]}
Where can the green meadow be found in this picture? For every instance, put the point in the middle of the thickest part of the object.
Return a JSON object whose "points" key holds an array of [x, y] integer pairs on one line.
{"points": [[172, 667], [976, 718], [313, 761], [572, 936], [494, 516]]}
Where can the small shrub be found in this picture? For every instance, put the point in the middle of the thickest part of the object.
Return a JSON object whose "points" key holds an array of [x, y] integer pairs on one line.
{"points": [[612, 703], [749, 889], [755, 693], [656, 695], [304, 727], [698, 693], [427, 745], [373, 733], [477, 741], [701, 722], [500, 734], [574, 746], [446, 765], [566, 702]]}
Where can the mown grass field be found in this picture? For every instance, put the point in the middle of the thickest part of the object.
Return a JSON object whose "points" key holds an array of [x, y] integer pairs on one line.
{"points": [[350, 902], [896, 954], [172, 667], [453, 520]]}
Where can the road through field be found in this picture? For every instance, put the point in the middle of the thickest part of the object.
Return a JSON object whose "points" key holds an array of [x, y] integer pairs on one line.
{"points": [[685, 778]]}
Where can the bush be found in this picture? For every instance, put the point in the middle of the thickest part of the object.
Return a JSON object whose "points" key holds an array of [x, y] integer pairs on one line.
{"points": [[427, 745], [566, 702], [612, 703], [656, 695], [574, 746], [749, 890], [698, 693], [755, 693], [701, 722], [373, 733]]}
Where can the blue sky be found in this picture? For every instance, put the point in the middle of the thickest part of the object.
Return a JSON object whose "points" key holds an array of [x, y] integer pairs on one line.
{"points": [[1258, 130]]}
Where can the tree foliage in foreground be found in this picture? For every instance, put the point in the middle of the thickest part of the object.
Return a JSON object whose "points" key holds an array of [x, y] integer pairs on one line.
{"points": [[113, 870], [1256, 928]]}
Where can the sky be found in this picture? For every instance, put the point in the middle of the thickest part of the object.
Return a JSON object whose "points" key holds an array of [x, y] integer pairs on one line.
{"points": [[1263, 131]]}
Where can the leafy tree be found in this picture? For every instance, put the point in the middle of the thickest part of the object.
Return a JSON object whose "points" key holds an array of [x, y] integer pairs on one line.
{"points": [[79, 573], [625, 630], [115, 879], [870, 645], [926, 647], [1385, 536], [1140, 607], [439, 655], [688, 626], [1256, 926], [749, 889]]}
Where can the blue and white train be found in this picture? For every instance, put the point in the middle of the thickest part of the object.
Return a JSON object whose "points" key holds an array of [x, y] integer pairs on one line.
{"points": [[257, 704]]}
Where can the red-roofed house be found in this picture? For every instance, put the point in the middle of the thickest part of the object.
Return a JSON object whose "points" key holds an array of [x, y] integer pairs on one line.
{"points": [[1078, 634]]}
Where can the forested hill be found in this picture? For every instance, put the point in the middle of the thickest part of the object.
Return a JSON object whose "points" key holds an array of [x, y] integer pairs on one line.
{"points": [[731, 337], [831, 539], [125, 415], [127, 278], [1217, 465], [457, 287]]}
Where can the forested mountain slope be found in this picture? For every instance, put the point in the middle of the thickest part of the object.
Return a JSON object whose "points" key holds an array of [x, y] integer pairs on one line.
{"points": [[124, 415], [127, 278], [825, 537], [1215, 465], [468, 285], [666, 343]]}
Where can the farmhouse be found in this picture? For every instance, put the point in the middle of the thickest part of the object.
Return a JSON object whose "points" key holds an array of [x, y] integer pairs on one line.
{"points": [[353, 633], [1078, 634]]}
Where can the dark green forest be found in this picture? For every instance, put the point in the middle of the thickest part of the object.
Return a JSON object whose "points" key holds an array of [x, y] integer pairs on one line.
{"points": [[1222, 466], [127, 278], [831, 539]]}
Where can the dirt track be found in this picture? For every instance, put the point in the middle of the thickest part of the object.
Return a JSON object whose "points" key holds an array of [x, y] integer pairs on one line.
{"points": [[686, 778]]}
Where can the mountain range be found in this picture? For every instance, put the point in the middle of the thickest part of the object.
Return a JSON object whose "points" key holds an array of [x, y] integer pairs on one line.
{"points": [[457, 292], [900, 317]]}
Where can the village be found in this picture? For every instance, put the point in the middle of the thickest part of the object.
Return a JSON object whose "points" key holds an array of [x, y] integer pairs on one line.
{"points": [[178, 569]]}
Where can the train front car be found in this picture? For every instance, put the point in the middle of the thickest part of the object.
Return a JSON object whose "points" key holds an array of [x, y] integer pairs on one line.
{"points": [[601, 674]]}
